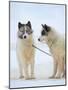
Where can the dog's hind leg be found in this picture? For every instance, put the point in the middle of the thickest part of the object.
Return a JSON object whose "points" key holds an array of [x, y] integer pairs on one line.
{"points": [[64, 68], [60, 68]]}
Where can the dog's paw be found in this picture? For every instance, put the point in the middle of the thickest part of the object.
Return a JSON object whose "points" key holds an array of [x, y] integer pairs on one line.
{"points": [[51, 77], [27, 78], [21, 77], [57, 77], [32, 77]]}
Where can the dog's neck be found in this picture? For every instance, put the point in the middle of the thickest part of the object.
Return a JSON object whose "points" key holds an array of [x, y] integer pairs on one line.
{"points": [[51, 39], [27, 42], [52, 43]]}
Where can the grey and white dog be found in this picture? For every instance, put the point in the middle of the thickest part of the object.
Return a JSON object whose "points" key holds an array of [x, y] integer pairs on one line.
{"points": [[25, 51]]}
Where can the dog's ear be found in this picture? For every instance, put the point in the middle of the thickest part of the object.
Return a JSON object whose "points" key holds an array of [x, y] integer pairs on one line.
{"points": [[46, 27], [42, 25], [29, 24], [19, 25]]}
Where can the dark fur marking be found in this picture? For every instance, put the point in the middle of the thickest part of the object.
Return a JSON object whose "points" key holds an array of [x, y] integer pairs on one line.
{"points": [[46, 27], [29, 24]]}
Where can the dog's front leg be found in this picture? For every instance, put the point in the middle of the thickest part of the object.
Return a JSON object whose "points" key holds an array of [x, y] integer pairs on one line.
{"points": [[20, 67], [32, 70], [55, 69], [21, 71], [26, 75]]}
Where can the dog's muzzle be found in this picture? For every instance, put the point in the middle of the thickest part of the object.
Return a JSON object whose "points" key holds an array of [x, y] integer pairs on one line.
{"points": [[24, 37]]}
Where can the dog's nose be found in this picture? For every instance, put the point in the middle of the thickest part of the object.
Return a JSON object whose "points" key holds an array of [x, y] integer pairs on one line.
{"points": [[39, 39], [25, 37]]}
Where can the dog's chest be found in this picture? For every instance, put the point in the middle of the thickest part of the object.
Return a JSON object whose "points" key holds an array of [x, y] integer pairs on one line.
{"points": [[25, 50], [28, 52]]}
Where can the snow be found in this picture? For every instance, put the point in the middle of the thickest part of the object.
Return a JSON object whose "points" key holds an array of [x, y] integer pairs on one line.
{"points": [[34, 83], [43, 70]]}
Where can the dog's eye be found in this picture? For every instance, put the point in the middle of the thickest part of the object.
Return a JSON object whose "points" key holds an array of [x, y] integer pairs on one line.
{"points": [[43, 32], [21, 30], [29, 31]]}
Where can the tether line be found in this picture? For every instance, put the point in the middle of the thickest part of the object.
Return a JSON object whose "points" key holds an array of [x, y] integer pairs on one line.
{"points": [[41, 50]]}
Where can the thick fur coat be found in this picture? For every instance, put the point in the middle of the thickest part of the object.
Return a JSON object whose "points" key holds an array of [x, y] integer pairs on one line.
{"points": [[56, 44], [25, 52]]}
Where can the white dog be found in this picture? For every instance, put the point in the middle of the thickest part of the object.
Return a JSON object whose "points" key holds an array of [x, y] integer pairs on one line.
{"points": [[57, 48]]}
